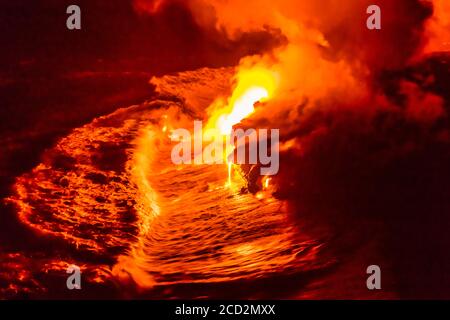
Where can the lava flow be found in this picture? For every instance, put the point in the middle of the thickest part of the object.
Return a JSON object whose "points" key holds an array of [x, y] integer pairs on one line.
{"points": [[110, 189]]}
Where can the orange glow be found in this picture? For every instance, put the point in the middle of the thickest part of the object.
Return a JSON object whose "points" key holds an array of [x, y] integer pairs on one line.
{"points": [[253, 85], [438, 27], [109, 197]]}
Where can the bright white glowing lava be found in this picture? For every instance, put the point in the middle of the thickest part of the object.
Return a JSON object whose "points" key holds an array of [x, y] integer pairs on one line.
{"points": [[243, 107]]}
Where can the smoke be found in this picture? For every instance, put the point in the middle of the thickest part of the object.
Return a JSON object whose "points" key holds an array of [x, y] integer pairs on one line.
{"points": [[328, 53]]}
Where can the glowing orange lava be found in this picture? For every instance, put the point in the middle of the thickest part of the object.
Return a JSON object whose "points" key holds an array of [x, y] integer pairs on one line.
{"points": [[253, 85]]}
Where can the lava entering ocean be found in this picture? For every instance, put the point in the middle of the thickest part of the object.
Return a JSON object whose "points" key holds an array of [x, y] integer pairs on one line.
{"points": [[142, 209], [363, 149]]}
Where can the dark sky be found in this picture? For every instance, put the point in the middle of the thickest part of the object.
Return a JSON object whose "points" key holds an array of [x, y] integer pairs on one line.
{"points": [[113, 37]]}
